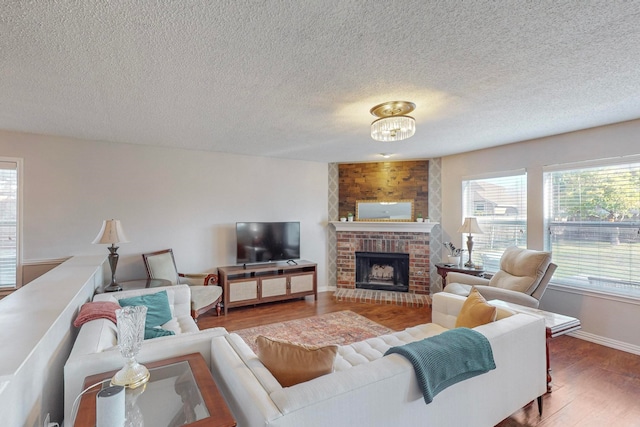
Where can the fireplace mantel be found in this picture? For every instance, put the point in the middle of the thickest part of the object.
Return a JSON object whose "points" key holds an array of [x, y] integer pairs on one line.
{"points": [[406, 226]]}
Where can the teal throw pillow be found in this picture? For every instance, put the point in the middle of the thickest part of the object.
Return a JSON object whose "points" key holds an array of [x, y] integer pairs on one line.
{"points": [[158, 310], [156, 332]]}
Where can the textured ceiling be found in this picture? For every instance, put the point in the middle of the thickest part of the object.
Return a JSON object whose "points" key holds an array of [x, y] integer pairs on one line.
{"points": [[296, 79]]}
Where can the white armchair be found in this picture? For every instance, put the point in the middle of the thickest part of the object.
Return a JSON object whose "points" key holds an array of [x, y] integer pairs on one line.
{"points": [[205, 295], [522, 279]]}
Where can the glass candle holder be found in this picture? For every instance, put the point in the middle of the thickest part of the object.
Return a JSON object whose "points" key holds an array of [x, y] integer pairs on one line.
{"points": [[131, 322]]}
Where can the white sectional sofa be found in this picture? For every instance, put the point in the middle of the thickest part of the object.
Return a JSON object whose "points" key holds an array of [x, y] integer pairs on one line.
{"points": [[95, 349], [367, 389]]}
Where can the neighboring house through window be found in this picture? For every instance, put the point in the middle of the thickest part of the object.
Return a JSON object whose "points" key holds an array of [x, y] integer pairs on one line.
{"points": [[592, 215], [10, 172], [499, 202]]}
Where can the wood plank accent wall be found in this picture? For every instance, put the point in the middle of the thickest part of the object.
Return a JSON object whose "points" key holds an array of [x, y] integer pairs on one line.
{"points": [[384, 181]]}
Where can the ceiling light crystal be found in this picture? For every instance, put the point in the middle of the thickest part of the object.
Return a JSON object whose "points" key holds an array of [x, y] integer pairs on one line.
{"points": [[393, 124]]}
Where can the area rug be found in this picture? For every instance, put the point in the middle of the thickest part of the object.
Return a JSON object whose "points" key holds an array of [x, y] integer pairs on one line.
{"points": [[341, 327]]}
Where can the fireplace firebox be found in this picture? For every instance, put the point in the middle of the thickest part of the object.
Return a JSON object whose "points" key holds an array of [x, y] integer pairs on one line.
{"points": [[382, 271]]}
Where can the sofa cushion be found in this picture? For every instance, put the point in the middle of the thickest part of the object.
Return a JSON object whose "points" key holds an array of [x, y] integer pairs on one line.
{"points": [[475, 311], [156, 332], [292, 363], [371, 349], [158, 309]]}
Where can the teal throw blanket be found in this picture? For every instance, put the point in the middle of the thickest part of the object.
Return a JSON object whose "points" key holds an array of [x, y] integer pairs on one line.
{"points": [[445, 359]]}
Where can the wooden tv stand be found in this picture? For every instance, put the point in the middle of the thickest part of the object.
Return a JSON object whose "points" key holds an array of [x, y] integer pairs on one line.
{"points": [[260, 283]]}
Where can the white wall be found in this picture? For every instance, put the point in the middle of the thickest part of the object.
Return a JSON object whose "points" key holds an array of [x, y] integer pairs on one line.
{"points": [[165, 198], [605, 320]]}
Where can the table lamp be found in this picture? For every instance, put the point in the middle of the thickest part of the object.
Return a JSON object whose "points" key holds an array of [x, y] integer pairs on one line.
{"points": [[111, 233], [470, 225]]}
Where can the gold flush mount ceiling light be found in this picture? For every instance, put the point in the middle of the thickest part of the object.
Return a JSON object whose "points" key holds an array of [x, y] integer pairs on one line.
{"points": [[393, 124]]}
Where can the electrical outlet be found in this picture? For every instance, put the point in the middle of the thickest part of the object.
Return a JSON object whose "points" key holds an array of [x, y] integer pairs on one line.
{"points": [[47, 420]]}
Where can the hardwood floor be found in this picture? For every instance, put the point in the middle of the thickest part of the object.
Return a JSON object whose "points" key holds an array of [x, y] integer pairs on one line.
{"points": [[593, 385], [391, 316]]}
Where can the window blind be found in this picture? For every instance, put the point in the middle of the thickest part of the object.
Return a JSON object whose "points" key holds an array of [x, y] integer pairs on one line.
{"points": [[8, 223], [592, 216], [499, 203]]}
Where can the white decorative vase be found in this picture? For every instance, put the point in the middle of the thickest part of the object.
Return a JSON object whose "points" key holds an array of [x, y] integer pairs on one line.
{"points": [[455, 260]]}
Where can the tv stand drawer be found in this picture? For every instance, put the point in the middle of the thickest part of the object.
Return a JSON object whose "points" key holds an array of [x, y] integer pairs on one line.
{"points": [[274, 287], [302, 282], [245, 290]]}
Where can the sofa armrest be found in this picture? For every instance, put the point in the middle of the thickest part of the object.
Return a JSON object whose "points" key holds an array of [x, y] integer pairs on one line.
{"points": [[245, 395], [199, 279], [491, 292], [466, 279], [445, 308]]}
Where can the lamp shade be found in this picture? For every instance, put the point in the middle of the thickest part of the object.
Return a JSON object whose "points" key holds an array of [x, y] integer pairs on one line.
{"points": [[111, 233], [470, 225]]}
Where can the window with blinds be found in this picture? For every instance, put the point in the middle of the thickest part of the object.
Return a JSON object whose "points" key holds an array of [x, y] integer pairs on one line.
{"points": [[499, 203], [8, 223], [592, 215]]}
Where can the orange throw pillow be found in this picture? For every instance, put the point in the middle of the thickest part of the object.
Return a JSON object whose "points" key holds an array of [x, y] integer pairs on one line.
{"points": [[475, 311], [292, 363]]}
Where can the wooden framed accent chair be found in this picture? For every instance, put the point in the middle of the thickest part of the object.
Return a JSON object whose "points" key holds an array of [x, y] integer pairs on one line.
{"points": [[205, 293], [522, 279]]}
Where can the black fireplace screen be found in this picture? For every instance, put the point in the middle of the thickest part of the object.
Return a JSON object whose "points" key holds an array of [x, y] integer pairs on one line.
{"points": [[382, 271]]}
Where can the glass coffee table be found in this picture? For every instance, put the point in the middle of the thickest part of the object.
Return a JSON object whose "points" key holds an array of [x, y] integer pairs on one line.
{"points": [[180, 392]]}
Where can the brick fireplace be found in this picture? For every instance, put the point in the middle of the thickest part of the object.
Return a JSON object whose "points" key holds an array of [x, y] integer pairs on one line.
{"points": [[390, 238]]}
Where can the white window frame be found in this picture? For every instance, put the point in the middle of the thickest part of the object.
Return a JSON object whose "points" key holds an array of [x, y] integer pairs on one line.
{"points": [[585, 281], [483, 255], [18, 262]]}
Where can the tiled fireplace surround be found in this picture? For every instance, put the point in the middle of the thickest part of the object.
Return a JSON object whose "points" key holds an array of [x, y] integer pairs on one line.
{"points": [[416, 244]]}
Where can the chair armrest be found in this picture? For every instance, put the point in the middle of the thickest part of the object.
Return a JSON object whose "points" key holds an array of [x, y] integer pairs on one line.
{"points": [[200, 279], [491, 292], [466, 279]]}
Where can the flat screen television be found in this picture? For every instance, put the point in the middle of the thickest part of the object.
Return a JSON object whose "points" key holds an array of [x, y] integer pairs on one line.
{"points": [[258, 242]]}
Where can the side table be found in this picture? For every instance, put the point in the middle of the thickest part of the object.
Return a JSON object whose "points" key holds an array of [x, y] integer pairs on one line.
{"points": [[181, 391], [555, 324], [443, 269]]}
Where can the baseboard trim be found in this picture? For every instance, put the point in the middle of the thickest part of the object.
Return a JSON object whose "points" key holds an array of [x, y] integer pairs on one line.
{"points": [[607, 342], [326, 289], [370, 296]]}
